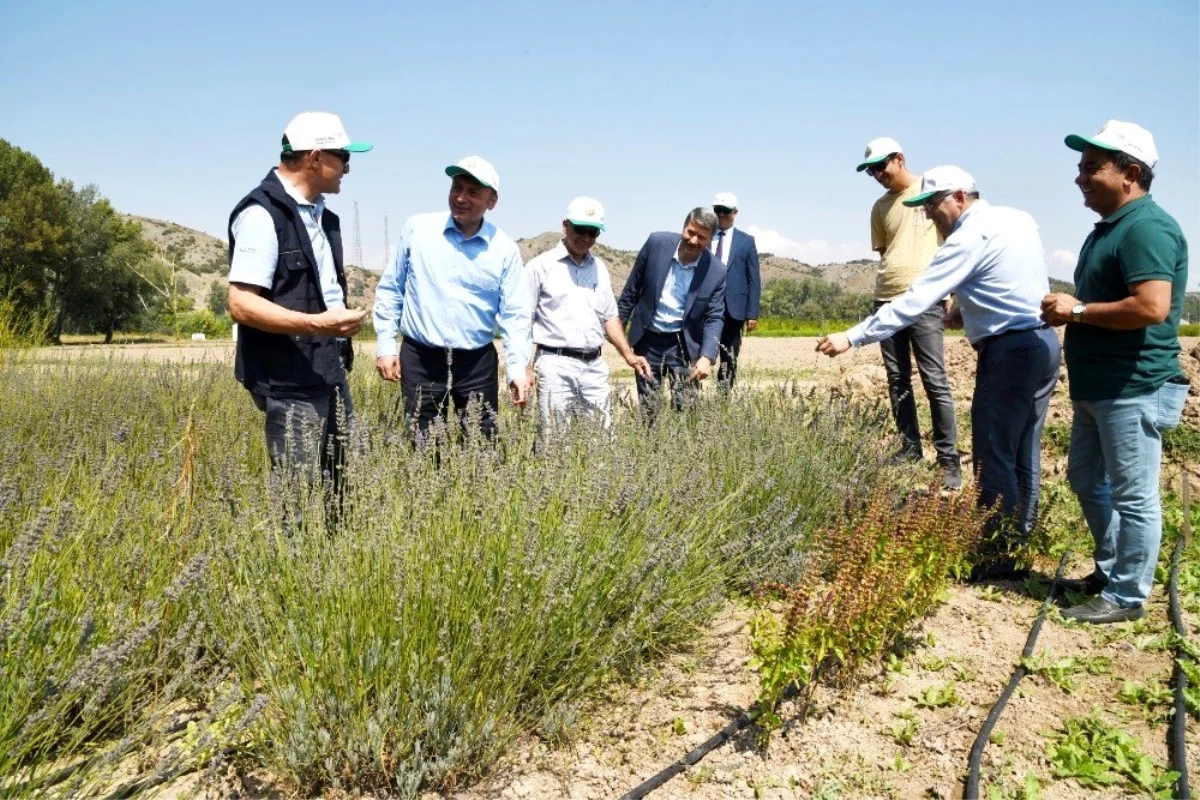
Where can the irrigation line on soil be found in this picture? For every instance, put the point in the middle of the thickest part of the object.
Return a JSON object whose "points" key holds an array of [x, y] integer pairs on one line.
{"points": [[722, 736], [973, 764], [1176, 745]]}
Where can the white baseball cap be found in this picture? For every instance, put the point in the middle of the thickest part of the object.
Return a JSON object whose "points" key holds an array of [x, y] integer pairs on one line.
{"points": [[478, 168], [942, 179], [319, 130], [586, 211], [725, 200], [878, 150], [1124, 137]]}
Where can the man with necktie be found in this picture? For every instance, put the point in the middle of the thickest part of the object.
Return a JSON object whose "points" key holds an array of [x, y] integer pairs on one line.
{"points": [[735, 249]]}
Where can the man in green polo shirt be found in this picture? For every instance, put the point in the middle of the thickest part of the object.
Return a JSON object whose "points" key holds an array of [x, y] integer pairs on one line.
{"points": [[1122, 347]]}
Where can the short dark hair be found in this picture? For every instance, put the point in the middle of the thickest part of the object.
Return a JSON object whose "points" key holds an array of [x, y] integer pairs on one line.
{"points": [[1122, 161]]}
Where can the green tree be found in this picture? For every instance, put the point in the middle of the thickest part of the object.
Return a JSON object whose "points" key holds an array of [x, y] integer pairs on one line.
{"points": [[218, 294], [33, 227], [99, 286]]}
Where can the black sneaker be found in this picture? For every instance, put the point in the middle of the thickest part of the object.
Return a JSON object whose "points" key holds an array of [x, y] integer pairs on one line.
{"points": [[1099, 611], [1091, 585], [951, 474], [907, 454]]}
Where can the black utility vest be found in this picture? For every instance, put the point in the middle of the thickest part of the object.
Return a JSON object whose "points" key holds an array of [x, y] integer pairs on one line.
{"points": [[281, 365]]}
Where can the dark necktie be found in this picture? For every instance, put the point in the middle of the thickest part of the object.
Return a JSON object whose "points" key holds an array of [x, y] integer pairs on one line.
{"points": [[721, 246]]}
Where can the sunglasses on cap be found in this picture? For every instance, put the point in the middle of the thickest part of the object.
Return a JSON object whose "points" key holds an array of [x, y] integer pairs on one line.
{"points": [[879, 167], [586, 230], [722, 211]]}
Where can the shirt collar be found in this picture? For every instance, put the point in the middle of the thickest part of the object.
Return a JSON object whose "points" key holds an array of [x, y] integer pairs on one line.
{"points": [[978, 204], [560, 253], [486, 230], [679, 261], [300, 199], [1125, 209]]}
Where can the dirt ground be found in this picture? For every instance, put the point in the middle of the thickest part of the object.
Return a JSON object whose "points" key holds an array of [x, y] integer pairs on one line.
{"points": [[846, 746]]}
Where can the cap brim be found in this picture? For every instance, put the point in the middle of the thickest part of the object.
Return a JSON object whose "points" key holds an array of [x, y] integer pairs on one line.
{"points": [[455, 169], [358, 147], [1081, 143], [920, 199], [586, 223], [866, 164]]}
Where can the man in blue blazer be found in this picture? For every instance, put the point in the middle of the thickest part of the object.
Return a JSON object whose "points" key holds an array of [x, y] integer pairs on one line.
{"points": [[743, 286], [674, 305]]}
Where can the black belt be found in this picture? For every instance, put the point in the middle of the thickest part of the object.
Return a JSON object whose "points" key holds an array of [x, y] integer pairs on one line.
{"points": [[571, 352], [989, 339], [421, 347]]}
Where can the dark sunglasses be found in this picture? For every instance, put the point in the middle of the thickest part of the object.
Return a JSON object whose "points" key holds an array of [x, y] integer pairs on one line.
{"points": [[722, 211], [343, 155], [875, 169], [586, 230]]}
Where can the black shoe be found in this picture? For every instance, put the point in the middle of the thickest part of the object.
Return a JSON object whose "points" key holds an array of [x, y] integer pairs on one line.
{"points": [[1091, 585], [907, 454], [1099, 611], [951, 474], [998, 569]]}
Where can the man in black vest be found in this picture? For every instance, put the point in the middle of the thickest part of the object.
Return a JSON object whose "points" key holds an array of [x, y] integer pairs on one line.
{"points": [[287, 293]]}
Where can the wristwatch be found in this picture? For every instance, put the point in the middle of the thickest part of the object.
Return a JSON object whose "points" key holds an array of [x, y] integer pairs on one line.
{"points": [[1077, 312]]}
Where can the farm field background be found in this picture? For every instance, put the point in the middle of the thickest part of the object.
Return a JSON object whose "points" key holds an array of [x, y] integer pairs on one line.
{"points": [[562, 625]]}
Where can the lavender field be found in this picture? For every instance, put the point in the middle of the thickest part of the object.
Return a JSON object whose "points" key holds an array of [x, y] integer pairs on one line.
{"points": [[160, 613]]}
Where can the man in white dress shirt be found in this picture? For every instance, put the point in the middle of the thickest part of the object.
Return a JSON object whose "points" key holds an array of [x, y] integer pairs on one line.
{"points": [[574, 310]]}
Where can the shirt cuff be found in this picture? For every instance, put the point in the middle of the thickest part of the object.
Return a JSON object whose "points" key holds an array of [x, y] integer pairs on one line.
{"points": [[386, 347], [857, 335], [515, 368]]}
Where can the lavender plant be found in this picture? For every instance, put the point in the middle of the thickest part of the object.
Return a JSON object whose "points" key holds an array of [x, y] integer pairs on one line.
{"points": [[470, 592]]}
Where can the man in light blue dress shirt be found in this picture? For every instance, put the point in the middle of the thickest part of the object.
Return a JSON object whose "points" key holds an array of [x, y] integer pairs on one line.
{"points": [[994, 263], [456, 278]]}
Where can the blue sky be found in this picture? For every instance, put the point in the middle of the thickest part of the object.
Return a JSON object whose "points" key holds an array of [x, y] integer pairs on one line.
{"points": [[175, 110]]}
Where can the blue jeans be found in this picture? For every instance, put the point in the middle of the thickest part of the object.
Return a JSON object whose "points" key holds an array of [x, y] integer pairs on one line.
{"points": [[1016, 374], [926, 339], [1116, 452]]}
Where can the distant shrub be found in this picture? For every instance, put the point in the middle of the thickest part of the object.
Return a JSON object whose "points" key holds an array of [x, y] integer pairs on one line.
{"points": [[213, 326]]}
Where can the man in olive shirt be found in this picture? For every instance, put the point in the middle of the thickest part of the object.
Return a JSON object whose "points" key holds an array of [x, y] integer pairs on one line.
{"points": [[907, 241], [1122, 346]]}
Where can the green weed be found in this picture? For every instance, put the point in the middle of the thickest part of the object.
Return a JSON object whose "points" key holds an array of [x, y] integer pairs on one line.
{"points": [[1097, 755], [1064, 672], [938, 696]]}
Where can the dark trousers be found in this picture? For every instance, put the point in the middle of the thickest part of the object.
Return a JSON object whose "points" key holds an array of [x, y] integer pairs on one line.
{"points": [[731, 348], [1016, 374], [307, 437], [668, 359], [436, 381], [925, 339]]}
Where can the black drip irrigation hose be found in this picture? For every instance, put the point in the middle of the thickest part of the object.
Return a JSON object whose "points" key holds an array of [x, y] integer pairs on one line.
{"points": [[1176, 744], [722, 736], [973, 764]]}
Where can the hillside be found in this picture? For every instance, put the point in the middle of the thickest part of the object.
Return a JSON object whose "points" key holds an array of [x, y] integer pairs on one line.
{"points": [[853, 276], [202, 259]]}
